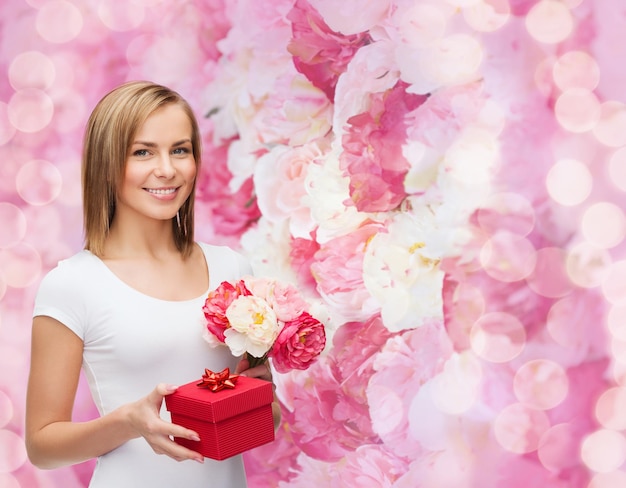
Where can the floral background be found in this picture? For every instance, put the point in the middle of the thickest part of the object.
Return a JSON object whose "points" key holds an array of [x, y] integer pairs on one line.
{"points": [[444, 179]]}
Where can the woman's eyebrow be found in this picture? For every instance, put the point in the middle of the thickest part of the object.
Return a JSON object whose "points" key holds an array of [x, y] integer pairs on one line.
{"points": [[152, 144]]}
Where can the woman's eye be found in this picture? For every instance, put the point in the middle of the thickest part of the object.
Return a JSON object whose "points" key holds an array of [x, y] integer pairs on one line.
{"points": [[180, 151], [140, 153]]}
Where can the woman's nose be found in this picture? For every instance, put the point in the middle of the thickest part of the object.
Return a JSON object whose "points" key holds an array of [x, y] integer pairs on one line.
{"points": [[165, 168]]}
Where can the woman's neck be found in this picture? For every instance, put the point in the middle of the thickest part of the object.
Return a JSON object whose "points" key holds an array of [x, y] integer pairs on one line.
{"points": [[153, 239]]}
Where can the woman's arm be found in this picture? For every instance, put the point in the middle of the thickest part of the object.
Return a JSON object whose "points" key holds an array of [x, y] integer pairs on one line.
{"points": [[52, 439]]}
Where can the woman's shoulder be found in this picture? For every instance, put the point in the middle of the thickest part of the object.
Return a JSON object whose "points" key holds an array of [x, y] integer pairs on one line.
{"points": [[226, 256], [76, 268]]}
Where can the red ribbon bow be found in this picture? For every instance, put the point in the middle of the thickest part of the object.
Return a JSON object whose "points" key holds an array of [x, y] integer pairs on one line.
{"points": [[218, 381]]}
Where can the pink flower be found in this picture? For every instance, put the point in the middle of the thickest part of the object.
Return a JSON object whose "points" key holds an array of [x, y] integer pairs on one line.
{"points": [[338, 270], [301, 258], [325, 420], [279, 182], [406, 362], [372, 154], [369, 465], [284, 298], [318, 52], [216, 304], [271, 463], [298, 344]]}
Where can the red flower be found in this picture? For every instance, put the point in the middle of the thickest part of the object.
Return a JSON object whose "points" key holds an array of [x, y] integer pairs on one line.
{"points": [[298, 344], [216, 304]]}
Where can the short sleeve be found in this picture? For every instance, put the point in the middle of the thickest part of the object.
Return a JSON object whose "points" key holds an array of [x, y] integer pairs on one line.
{"points": [[60, 296]]}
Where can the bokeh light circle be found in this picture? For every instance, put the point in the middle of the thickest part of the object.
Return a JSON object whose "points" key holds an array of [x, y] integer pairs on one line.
{"points": [[6, 409], [617, 168], [70, 112], [7, 129], [38, 182], [549, 22], [566, 325], [468, 305], [576, 69], [540, 384], [614, 285], [558, 448], [9, 481], [587, 265], [508, 257], [31, 69], [12, 451], [549, 277], [569, 182], [20, 265], [12, 223], [497, 337], [614, 479], [59, 21], [506, 211], [618, 350], [616, 321], [121, 16], [604, 225], [518, 428], [604, 450], [487, 15], [610, 129], [454, 59], [420, 24], [577, 110], [30, 110], [611, 408]]}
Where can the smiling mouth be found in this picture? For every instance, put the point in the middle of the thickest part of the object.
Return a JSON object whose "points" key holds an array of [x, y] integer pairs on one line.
{"points": [[159, 191]]}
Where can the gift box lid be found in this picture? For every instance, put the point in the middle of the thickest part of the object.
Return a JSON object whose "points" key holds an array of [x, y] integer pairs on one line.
{"points": [[192, 401]]}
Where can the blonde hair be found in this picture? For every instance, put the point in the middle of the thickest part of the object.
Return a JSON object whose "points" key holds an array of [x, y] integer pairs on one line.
{"points": [[109, 135]]}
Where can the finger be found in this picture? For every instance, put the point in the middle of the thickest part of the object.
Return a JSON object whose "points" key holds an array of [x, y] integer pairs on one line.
{"points": [[243, 365], [171, 448], [164, 389], [182, 432], [261, 371]]}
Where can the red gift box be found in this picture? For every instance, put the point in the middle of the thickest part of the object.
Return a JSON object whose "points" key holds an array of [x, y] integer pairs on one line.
{"points": [[229, 421]]}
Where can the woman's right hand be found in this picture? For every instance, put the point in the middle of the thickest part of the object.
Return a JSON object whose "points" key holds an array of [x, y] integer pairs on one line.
{"points": [[144, 419]]}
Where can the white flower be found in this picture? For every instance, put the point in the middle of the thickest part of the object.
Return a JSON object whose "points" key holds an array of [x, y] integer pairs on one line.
{"points": [[253, 326], [402, 272], [327, 192]]}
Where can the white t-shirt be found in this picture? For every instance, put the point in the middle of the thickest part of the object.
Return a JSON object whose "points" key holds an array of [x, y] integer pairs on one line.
{"points": [[132, 342]]}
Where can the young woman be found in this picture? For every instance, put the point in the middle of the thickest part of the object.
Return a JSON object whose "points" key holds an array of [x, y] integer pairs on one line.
{"points": [[128, 308]]}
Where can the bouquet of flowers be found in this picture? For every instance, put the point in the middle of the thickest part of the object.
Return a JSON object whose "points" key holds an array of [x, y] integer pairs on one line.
{"points": [[264, 318]]}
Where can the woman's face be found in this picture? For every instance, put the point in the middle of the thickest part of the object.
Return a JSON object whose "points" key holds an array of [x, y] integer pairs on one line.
{"points": [[160, 166]]}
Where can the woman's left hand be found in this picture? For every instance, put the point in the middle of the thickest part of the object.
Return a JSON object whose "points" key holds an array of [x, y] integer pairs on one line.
{"points": [[262, 371]]}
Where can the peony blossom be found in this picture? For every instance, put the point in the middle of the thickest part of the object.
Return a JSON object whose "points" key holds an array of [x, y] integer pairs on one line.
{"points": [[253, 326], [279, 183], [318, 52], [249, 316], [372, 146], [338, 270], [401, 270], [299, 343], [217, 303], [283, 298]]}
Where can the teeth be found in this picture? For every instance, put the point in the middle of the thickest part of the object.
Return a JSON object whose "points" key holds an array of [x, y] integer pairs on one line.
{"points": [[162, 192]]}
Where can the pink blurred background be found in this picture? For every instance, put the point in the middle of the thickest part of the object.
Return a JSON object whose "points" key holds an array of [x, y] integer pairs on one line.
{"points": [[444, 179]]}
